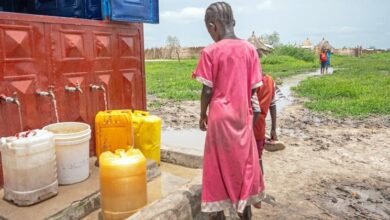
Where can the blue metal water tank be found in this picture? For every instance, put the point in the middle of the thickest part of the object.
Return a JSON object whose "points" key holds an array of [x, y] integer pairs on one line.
{"points": [[22, 6], [116, 10], [131, 10], [63, 8]]}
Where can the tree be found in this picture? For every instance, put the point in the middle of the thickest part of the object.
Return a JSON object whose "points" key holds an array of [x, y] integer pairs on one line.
{"points": [[173, 46], [272, 39]]}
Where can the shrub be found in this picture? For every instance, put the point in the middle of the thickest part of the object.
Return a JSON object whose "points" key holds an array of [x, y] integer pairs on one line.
{"points": [[297, 53]]}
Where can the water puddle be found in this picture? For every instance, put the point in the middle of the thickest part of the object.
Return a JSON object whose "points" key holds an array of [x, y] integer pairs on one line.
{"points": [[194, 139], [357, 200], [286, 97]]}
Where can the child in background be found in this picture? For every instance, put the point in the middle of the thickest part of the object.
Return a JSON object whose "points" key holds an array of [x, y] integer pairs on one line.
{"points": [[266, 97], [230, 73], [323, 60], [328, 54]]}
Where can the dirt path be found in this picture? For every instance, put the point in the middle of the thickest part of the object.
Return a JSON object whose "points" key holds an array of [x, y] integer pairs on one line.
{"points": [[332, 168]]}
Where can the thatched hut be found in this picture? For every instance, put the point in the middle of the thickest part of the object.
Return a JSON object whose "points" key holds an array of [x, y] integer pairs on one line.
{"points": [[307, 44], [324, 44], [262, 48]]}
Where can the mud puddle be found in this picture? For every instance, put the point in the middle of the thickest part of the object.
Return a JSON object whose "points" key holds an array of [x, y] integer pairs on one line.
{"points": [[366, 199]]}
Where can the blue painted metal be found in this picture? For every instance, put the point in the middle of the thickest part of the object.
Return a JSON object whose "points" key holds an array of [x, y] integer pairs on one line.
{"points": [[63, 8], [131, 10], [23, 6], [90, 9]]}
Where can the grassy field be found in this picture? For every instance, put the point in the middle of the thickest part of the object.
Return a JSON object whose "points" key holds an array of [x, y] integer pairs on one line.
{"points": [[172, 79], [359, 87]]}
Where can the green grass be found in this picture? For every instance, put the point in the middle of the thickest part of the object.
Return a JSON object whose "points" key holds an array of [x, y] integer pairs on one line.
{"points": [[172, 79], [359, 87]]}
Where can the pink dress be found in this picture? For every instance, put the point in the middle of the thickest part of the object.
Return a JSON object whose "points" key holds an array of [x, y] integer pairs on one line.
{"points": [[232, 178]]}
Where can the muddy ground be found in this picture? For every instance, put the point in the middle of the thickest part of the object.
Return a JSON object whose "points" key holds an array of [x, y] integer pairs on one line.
{"points": [[332, 168]]}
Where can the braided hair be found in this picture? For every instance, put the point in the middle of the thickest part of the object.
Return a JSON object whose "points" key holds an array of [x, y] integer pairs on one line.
{"points": [[220, 12]]}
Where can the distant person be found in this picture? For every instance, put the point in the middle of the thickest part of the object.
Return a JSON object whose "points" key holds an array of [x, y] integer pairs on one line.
{"points": [[328, 54], [230, 73], [323, 61]]}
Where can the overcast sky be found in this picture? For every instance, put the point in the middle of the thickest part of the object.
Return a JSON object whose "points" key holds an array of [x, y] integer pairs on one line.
{"points": [[342, 22]]}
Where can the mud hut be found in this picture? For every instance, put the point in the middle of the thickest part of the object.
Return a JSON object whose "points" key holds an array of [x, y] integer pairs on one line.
{"points": [[307, 44], [324, 44], [262, 48]]}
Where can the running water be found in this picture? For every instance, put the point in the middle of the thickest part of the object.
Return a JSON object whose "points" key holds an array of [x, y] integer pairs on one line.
{"points": [[55, 109], [20, 118], [105, 100]]}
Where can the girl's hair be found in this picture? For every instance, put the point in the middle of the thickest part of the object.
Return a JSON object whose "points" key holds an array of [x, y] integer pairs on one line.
{"points": [[220, 11]]}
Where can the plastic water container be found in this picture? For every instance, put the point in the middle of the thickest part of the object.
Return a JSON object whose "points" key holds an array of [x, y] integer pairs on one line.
{"points": [[72, 150], [147, 134], [114, 129], [29, 167], [122, 183]]}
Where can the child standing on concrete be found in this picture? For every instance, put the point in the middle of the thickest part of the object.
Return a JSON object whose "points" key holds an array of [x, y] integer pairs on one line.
{"points": [[230, 73]]}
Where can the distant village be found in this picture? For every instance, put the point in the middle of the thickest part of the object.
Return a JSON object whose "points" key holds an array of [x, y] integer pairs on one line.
{"points": [[175, 52]]}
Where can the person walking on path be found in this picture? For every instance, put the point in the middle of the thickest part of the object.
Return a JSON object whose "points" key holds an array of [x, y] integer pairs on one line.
{"points": [[323, 61], [230, 72], [328, 54]]}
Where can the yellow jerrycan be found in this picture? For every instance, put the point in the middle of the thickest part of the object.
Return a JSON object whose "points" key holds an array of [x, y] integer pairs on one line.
{"points": [[122, 183], [147, 134], [113, 129]]}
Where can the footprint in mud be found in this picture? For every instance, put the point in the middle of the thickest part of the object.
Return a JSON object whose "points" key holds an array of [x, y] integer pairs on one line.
{"points": [[366, 199]]}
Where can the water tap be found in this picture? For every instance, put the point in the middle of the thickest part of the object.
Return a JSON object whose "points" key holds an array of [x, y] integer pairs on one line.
{"points": [[97, 87], [9, 99], [49, 93], [74, 88]]}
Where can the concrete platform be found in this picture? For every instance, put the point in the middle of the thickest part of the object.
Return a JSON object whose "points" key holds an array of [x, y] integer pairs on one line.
{"points": [[82, 200], [66, 196], [183, 147], [172, 179], [72, 202]]}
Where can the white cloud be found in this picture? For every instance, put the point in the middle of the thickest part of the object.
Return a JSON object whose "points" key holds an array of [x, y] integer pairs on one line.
{"points": [[264, 5], [185, 15]]}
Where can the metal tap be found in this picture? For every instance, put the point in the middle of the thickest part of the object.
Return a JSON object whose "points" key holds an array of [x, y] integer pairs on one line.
{"points": [[74, 88], [10, 99], [97, 87], [49, 93]]}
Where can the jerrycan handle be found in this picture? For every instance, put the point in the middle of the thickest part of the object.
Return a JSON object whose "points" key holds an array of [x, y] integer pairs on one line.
{"points": [[26, 134], [139, 112]]}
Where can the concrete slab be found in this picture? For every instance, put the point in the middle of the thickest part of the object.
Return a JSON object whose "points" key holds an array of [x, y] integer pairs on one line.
{"points": [[72, 202], [66, 196], [172, 178], [183, 147], [187, 139]]}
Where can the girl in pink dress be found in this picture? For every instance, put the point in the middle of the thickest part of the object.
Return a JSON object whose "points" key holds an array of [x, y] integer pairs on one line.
{"points": [[230, 73]]}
